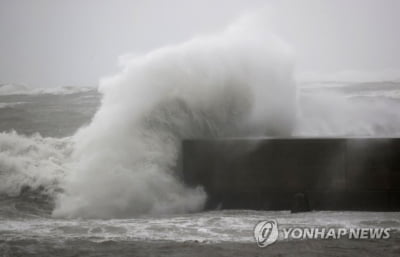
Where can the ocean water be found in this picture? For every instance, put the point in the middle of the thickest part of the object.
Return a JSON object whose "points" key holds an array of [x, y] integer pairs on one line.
{"points": [[56, 114], [37, 132]]}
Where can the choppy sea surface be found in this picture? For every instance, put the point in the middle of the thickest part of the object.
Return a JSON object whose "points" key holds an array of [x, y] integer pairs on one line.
{"points": [[27, 227]]}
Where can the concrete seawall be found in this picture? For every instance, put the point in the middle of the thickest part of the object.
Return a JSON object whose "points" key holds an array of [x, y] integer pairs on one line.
{"points": [[273, 174]]}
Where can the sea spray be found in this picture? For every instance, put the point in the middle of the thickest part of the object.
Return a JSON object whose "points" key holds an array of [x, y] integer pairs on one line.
{"points": [[360, 112], [32, 162], [236, 83]]}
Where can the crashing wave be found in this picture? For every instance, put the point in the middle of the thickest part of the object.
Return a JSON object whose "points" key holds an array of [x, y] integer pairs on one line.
{"points": [[32, 163]]}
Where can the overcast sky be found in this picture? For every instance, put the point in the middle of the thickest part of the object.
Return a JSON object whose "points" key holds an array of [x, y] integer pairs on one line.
{"points": [[75, 42]]}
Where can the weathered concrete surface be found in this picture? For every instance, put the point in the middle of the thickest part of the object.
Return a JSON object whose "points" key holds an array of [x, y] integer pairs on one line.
{"points": [[332, 173]]}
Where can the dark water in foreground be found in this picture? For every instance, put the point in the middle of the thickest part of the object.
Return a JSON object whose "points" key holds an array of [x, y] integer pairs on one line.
{"points": [[166, 248]]}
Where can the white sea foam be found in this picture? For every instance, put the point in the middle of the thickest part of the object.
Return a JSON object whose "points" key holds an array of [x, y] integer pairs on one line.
{"points": [[32, 162], [205, 227]]}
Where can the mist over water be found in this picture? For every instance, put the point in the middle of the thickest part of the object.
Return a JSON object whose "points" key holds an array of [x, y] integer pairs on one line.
{"points": [[349, 110]]}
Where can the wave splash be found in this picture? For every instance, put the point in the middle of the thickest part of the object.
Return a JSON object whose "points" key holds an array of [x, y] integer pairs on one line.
{"points": [[34, 163], [233, 84]]}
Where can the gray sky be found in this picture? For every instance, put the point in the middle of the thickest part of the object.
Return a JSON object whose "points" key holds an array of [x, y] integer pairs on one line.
{"points": [[75, 42]]}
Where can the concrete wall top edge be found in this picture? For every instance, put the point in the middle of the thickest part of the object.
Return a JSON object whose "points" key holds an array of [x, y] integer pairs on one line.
{"points": [[261, 139]]}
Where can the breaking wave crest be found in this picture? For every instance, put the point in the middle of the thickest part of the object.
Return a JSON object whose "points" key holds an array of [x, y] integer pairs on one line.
{"points": [[34, 163]]}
